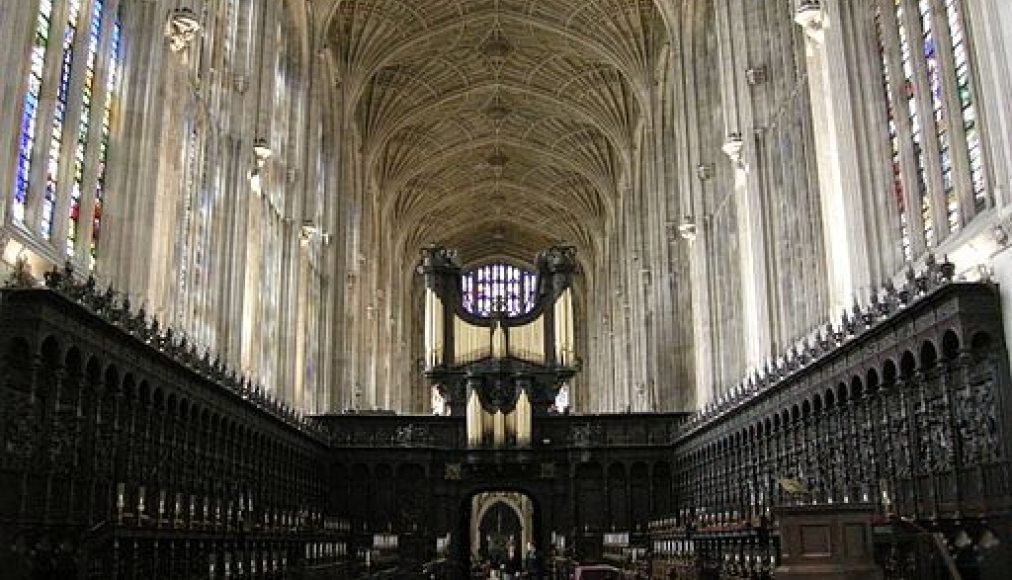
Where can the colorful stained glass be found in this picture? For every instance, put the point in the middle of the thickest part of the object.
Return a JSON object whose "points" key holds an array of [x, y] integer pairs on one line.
{"points": [[916, 129], [931, 106], [87, 95], [59, 116], [966, 101], [112, 86], [498, 288], [897, 177], [931, 61], [43, 24]]}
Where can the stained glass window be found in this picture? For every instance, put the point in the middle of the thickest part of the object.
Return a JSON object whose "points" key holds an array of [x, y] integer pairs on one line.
{"points": [[87, 96], [964, 90], [59, 116], [916, 128], [43, 23], [935, 91], [112, 86], [894, 143], [498, 288], [928, 80]]}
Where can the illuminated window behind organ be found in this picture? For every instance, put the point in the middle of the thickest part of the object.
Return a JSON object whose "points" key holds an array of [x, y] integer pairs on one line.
{"points": [[498, 287]]}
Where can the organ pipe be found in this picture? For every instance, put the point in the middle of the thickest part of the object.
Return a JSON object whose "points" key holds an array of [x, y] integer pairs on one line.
{"points": [[474, 419], [499, 429], [470, 341], [433, 329], [564, 351], [523, 420], [527, 341]]}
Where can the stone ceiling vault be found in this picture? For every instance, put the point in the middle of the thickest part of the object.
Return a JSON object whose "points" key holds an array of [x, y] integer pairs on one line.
{"points": [[495, 126]]}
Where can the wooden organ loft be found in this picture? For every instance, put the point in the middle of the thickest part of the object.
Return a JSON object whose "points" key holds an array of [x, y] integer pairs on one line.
{"points": [[499, 341]]}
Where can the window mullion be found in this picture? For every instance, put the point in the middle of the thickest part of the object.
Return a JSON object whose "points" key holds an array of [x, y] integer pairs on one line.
{"points": [[929, 132], [910, 174]]}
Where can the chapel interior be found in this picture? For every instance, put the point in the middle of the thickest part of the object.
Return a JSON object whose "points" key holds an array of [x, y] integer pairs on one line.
{"points": [[544, 289]]}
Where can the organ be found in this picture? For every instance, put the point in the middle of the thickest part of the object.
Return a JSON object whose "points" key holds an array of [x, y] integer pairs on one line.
{"points": [[499, 340]]}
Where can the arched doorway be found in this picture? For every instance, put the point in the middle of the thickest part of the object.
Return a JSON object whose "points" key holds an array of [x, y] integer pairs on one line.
{"points": [[499, 526], [496, 527]]}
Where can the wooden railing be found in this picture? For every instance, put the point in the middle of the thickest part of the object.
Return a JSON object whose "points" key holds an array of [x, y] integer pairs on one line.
{"points": [[126, 455], [906, 407]]}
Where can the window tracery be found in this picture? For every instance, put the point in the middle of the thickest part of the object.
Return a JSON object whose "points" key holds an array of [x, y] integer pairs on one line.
{"points": [[84, 68], [112, 91], [498, 288], [931, 119], [43, 26], [84, 124]]}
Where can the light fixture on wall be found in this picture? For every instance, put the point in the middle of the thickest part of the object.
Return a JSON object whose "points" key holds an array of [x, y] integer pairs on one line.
{"points": [[755, 75], [261, 145], [732, 147], [809, 16], [310, 230], [687, 228], [262, 151], [181, 28], [704, 171]]}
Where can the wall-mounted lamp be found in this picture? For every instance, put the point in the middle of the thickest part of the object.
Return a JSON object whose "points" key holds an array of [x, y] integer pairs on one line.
{"points": [[687, 228], [809, 16], [732, 147], [310, 230], [181, 28], [755, 75], [704, 171], [262, 151]]}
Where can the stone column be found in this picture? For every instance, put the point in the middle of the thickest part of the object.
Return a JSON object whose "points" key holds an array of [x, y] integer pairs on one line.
{"points": [[741, 148], [990, 30], [860, 238]]}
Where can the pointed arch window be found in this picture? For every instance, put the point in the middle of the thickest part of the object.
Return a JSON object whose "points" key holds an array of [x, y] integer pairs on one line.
{"points": [[84, 125], [936, 158], [59, 117], [111, 99], [70, 135], [30, 114]]}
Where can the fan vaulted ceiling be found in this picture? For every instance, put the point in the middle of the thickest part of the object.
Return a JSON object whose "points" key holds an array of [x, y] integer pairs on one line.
{"points": [[496, 126]]}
